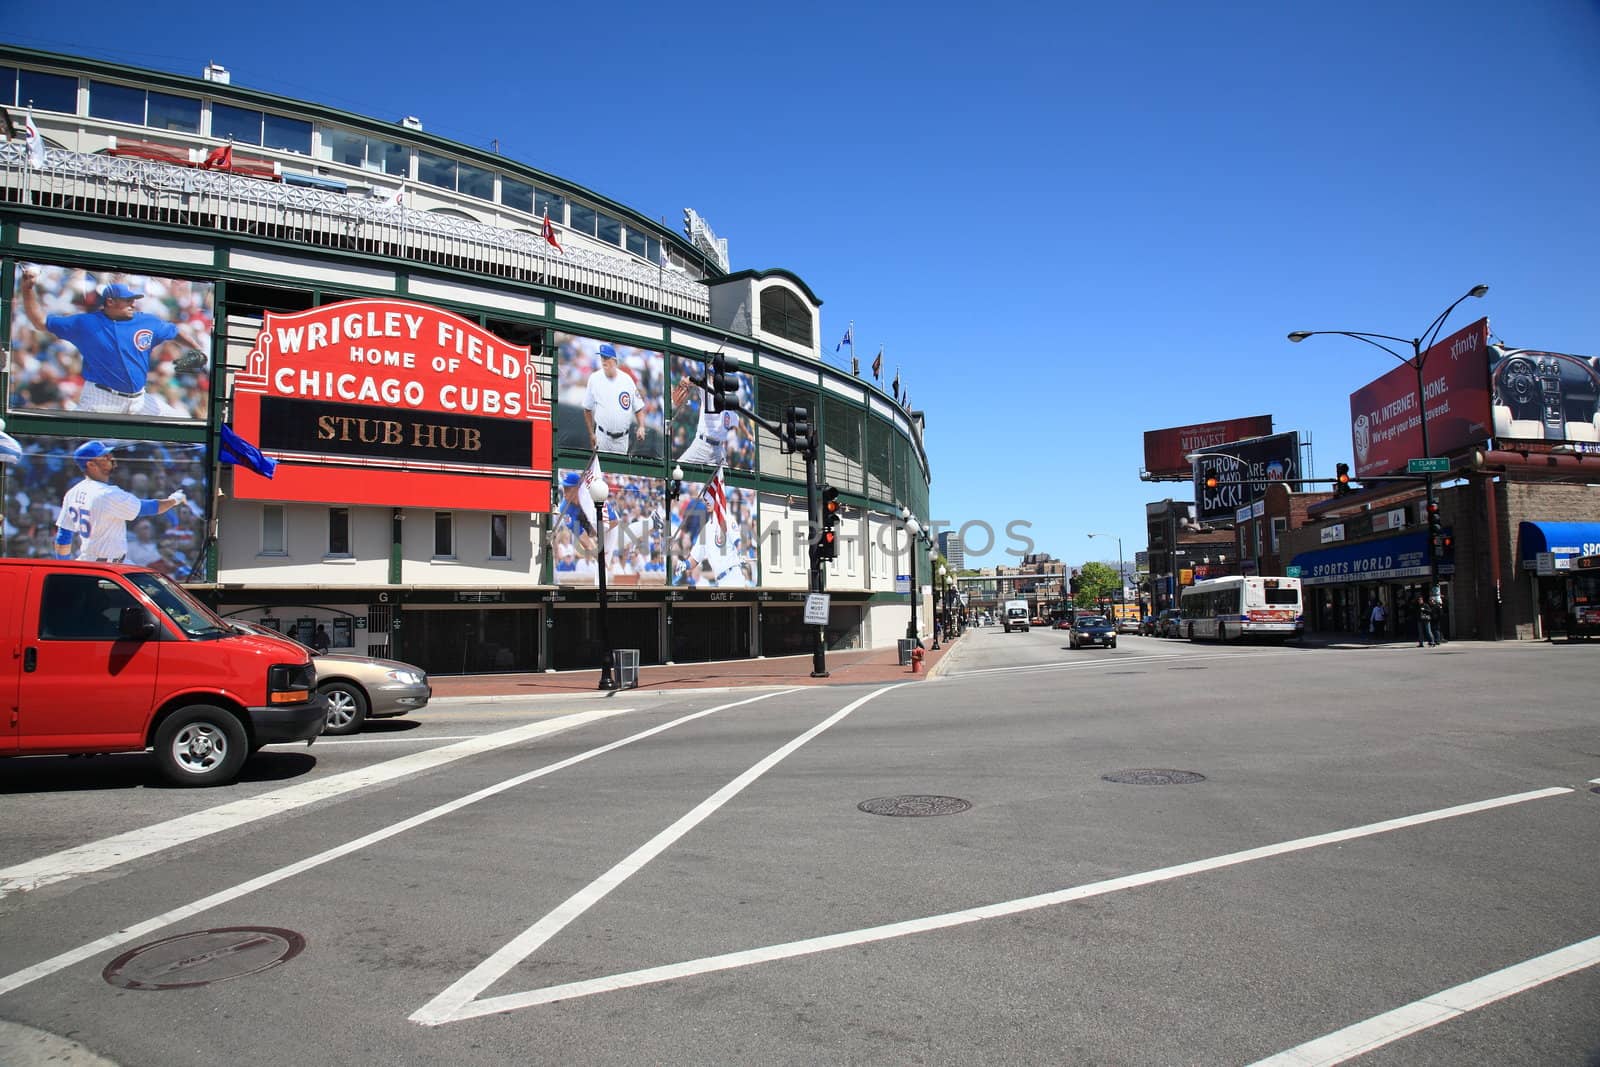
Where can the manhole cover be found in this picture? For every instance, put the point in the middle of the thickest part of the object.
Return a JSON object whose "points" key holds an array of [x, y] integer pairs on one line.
{"points": [[1151, 776], [204, 957], [914, 805]]}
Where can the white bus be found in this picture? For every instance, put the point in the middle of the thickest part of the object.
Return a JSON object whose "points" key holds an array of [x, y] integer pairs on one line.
{"points": [[1224, 609]]}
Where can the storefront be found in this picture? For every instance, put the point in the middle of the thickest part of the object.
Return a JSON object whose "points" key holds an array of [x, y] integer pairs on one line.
{"points": [[1566, 595], [1343, 582]]}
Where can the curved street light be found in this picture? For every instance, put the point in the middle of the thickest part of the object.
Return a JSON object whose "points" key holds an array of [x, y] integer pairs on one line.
{"points": [[598, 492], [1419, 350]]}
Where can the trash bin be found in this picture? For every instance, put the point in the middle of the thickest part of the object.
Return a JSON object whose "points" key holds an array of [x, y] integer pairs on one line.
{"points": [[906, 645], [627, 668]]}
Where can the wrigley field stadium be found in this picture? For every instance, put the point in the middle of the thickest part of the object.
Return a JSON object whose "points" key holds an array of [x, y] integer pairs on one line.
{"points": [[440, 349]]}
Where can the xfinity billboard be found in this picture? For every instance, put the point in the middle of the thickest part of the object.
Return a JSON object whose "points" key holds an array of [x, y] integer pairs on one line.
{"points": [[1243, 469]]}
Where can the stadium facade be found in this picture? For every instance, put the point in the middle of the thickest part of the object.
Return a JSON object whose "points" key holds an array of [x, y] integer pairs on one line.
{"points": [[390, 317]]}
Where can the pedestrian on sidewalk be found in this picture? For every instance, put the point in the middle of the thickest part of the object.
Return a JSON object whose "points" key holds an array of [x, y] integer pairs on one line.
{"points": [[1424, 613], [1375, 619], [1430, 621]]}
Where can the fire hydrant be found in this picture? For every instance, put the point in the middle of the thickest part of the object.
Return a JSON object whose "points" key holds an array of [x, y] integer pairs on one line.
{"points": [[916, 659]]}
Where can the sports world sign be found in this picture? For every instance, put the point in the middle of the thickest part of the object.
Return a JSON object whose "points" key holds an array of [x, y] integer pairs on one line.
{"points": [[390, 402]]}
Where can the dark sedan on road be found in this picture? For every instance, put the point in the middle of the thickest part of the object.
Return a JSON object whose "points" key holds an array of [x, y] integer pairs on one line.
{"points": [[1094, 630]]}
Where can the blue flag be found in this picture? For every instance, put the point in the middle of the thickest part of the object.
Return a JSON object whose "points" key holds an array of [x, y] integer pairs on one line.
{"points": [[847, 339], [236, 449]]}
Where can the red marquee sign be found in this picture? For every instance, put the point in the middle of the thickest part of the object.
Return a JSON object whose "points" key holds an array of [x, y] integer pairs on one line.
{"points": [[387, 402], [1385, 419]]}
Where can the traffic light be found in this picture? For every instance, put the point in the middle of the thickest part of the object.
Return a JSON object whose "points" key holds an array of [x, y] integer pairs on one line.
{"points": [[1209, 477], [1435, 526], [724, 387], [1341, 479], [828, 542], [802, 435]]}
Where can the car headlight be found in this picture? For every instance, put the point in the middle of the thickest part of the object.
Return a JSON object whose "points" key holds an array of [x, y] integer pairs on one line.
{"points": [[406, 677]]}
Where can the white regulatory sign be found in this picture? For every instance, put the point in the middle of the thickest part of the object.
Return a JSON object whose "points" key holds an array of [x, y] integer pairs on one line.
{"points": [[816, 609]]}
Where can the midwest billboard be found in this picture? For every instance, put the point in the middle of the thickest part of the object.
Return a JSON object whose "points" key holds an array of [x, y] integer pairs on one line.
{"points": [[1164, 450]]}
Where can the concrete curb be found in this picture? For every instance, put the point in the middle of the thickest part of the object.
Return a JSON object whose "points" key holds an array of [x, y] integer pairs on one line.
{"points": [[24, 1046]]}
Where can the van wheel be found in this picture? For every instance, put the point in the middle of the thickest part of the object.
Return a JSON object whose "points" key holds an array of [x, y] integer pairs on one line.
{"points": [[200, 745], [347, 708]]}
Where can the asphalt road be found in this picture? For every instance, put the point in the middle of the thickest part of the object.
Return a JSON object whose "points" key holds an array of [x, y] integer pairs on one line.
{"points": [[1388, 849]]}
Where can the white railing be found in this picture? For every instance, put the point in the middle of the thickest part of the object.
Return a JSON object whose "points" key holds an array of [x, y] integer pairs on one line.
{"points": [[202, 200]]}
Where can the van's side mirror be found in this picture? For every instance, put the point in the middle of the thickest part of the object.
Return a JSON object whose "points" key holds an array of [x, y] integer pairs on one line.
{"points": [[137, 624]]}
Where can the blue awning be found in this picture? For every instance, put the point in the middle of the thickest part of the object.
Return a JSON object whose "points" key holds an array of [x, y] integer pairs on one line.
{"points": [[315, 181], [1392, 558], [1563, 540]]}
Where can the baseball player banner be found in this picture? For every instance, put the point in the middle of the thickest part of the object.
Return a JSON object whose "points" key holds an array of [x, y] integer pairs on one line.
{"points": [[611, 397], [700, 435], [634, 531], [714, 540], [103, 498], [382, 401], [107, 344]]}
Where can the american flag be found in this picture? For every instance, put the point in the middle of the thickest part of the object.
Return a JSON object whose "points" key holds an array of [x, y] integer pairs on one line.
{"points": [[716, 495]]}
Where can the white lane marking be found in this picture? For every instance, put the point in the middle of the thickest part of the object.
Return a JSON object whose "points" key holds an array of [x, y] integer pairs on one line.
{"points": [[456, 1002], [147, 840], [416, 740], [828, 942], [15, 981], [1361, 1038]]}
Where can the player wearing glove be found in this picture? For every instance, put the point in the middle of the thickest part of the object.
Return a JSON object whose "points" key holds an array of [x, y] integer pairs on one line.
{"points": [[115, 341], [97, 512]]}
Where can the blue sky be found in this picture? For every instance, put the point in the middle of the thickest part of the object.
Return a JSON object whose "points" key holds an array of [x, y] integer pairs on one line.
{"points": [[1067, 224]]}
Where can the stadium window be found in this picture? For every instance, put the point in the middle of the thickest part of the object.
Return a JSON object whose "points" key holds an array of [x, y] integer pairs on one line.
{"points": [[8, 85], [116, 103], [338, 531], [228, 123], [548, 203], [516, 195], [499, 537], [652, 250], [637, 243], [583, 219], [47, 92], [288, 135], [444, 539], [368, 153], [784, 315], [474, 181], [272, 530], [608, 229], [179, 114], [391, 158], [436, 171]]}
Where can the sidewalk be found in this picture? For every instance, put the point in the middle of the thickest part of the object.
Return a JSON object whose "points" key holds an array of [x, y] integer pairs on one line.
{"points": [[878, 666]]}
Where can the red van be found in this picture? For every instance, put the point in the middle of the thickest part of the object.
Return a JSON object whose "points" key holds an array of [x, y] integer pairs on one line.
{"points": [[110, 658]]}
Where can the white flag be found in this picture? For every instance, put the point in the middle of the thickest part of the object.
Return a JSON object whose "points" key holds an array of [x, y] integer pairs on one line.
{"points": [[397, 198], [34, 141]]}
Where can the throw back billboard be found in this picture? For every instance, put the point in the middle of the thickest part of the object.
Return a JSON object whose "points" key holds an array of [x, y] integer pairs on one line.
{"points": [[1164, 450], [1385, 415], [1244, 469], [386, 401]]}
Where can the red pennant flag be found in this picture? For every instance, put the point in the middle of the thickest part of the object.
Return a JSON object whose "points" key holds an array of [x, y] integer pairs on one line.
{"points": [[219, 158], [550, 233]]}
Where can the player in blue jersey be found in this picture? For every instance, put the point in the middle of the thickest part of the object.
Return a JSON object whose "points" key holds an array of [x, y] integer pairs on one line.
{"points": [[116, 341]]}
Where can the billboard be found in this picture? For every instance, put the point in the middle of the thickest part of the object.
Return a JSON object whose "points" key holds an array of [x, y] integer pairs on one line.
{"points": [[708, 553], [391, 402], [1244, 468], [1385, 422], [1164, 450], [611, 397], [140, 502], [635, 540], [104, 344], [700, 435], [1543, 396]]}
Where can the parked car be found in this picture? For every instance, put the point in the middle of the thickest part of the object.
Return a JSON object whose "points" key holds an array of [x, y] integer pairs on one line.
{"points": [[1094, 630], [1147, 626], [1167, 622], [1128, 624], [112, 658], [1064, 623], [358, 688]]}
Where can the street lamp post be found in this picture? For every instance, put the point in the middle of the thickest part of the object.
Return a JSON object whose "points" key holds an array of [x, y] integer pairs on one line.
{"points": [[939, 615], [1419, 349], [673, 491], [913, 528], [1122, 579], [598, 492]]}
